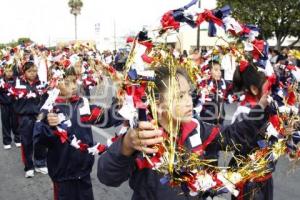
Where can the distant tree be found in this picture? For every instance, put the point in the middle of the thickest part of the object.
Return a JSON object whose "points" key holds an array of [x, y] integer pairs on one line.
{"points": [[2, 46], [15, 43], [23, 40], [276, 18]]}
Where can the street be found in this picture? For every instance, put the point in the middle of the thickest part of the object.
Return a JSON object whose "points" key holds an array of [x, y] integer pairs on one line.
{"points": [[14, 186]]}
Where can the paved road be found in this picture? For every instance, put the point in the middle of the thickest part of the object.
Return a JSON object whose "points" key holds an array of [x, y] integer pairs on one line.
{"points": [[13, 185]]}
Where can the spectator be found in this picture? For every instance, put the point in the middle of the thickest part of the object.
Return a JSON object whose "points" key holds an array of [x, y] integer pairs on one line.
{"points": [[196, 57], [274, 56]]}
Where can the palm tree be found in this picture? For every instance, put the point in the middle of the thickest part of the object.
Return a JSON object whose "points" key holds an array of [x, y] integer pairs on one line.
{"points": [[75, 6]]}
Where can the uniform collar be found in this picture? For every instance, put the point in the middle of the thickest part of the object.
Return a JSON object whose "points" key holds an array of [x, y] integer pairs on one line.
{"points": [[72, 99], [9, 79], [36, 81], [249, 100], [186, 129]]}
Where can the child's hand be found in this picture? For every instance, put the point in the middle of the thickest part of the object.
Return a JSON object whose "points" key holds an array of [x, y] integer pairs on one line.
{"points": [[52, 119], [141, 139]]}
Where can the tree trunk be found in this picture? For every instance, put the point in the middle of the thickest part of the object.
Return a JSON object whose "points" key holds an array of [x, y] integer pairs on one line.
{"points": [[278, 44]]}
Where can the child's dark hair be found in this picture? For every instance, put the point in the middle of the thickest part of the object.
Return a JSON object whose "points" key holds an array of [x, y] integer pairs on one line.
{"points": [[70, 72], [250, 76], [8, 67], [212, 63], [27, 65], [162, 75]]}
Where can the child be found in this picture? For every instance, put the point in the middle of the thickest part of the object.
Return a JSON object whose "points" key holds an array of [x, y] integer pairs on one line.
{"points": [[215, 90], [70, 165], [249, 80], [30, 95], [117, 164], [8, 117]]}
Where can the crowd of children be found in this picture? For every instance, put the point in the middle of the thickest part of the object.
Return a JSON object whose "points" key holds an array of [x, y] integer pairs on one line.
{"points": [[45, 102], [42, 95]]}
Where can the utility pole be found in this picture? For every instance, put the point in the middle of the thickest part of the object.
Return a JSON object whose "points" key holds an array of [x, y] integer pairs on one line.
{"points": [[75, 27], [49, 41], [98, 39], [198, 29], [115, 42]]}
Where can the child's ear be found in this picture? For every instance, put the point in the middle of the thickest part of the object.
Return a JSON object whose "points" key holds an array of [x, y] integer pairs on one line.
{"points": [[160, 106], [254, 90]]}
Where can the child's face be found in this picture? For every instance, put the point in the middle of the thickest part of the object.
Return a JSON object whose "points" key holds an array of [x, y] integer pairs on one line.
{"points": [[8, 73], [31, 73], [68, 86], [78, 68], [183, 106], [216, 72]]}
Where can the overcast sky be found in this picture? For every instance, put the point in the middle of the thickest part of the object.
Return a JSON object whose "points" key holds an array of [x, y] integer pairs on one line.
{"points": [[50, 20]]}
